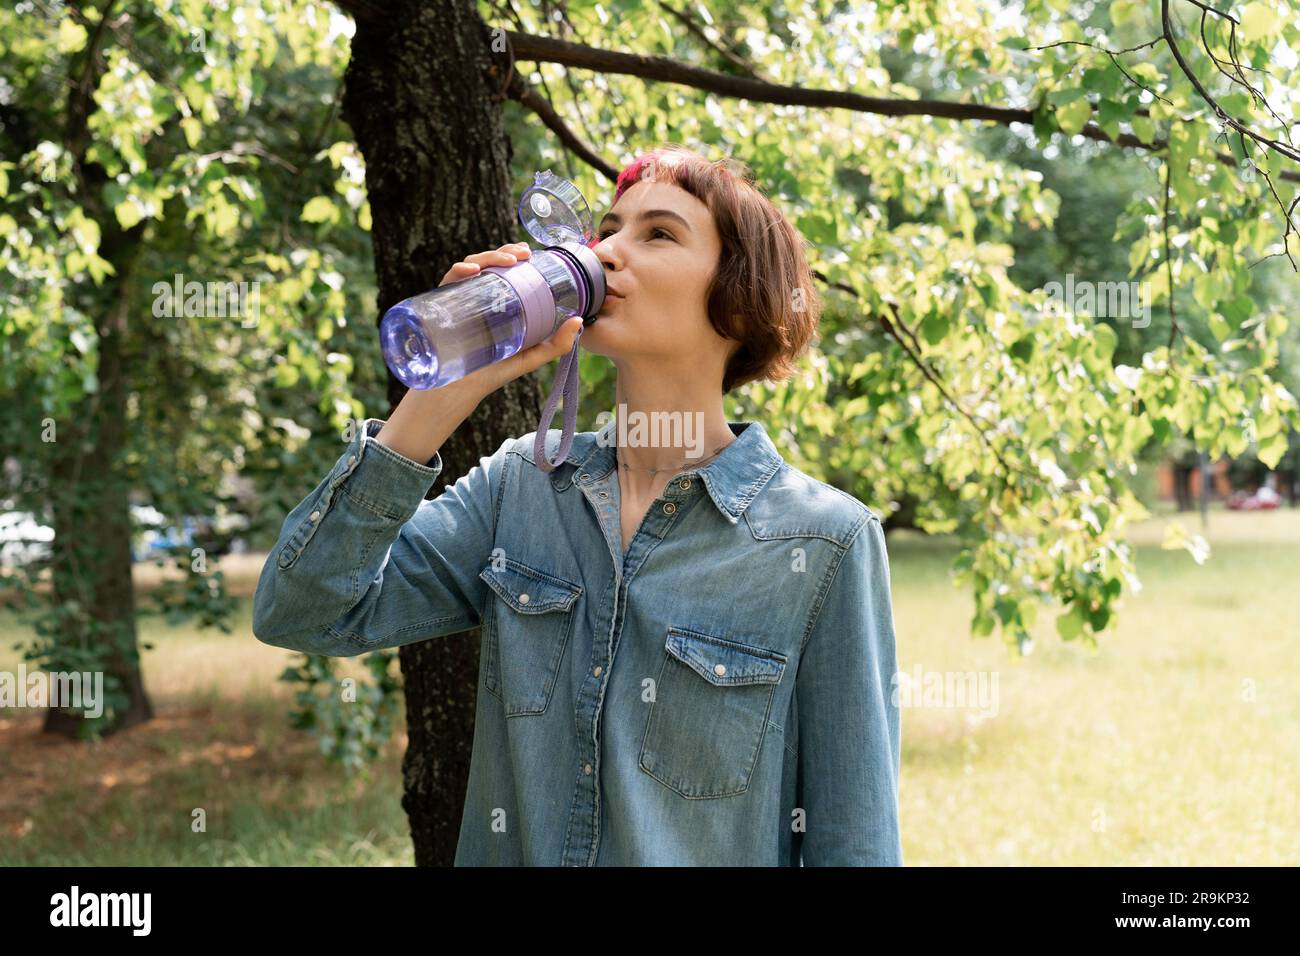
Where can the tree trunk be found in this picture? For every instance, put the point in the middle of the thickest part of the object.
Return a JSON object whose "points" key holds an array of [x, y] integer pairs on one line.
{"points": [[92, 526], [89, 491], [421, 94]]}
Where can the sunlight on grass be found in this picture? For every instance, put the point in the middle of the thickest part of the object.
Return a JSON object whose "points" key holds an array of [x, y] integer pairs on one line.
{"points": [[1177, 743]]}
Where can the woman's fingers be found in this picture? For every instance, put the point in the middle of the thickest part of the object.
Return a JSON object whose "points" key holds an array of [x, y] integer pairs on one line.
{"points": [[560, 342], [489, 378], [472, 265]]}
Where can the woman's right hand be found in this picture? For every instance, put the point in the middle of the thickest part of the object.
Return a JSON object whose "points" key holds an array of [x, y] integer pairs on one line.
{"points": [[484, 381]]}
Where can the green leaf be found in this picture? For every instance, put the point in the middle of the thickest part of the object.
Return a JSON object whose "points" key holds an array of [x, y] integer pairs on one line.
{"points": [[286, 375], [128, 213], [320, 209], [72, 36], [1272, 449], [1123, 11], [1257, 22], [85, 231], [192, 129], [1218, 327], [1074, 116], [1143, 128], [935, 326], [1069, 626], [1066, 94]]}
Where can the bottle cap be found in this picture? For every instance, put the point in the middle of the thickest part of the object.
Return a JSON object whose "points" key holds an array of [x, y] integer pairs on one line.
{"points": [[554, 212]]}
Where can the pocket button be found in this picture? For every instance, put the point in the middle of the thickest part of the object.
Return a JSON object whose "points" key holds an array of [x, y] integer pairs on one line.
{"points": [[526, 631], [708, 719]]}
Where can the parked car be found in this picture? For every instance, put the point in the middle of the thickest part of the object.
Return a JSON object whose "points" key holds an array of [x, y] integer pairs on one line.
{"points": [[23, 539], [1263, 499], [216, 535]]}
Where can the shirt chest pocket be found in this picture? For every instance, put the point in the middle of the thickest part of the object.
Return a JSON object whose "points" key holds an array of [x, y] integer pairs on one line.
{"points": [[526, 628], [709, 714]]}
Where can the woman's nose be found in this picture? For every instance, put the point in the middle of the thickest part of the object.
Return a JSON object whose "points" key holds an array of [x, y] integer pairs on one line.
{"points": [[607, 254]]}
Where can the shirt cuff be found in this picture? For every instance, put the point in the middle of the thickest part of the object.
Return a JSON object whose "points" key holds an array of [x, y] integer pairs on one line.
{"points": [[376, 476]]}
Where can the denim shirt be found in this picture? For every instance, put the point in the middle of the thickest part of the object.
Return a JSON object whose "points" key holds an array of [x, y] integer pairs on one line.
{"points": [[718, 694]]}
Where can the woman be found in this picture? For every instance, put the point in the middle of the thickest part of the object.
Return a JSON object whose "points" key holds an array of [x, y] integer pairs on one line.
{"points": [[688, 644]]}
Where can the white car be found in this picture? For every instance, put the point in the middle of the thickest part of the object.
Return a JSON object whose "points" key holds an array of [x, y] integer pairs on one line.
{"points": [[23, 539]]}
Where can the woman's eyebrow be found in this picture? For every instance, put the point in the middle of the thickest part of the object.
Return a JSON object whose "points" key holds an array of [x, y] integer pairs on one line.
{"points": [[614, 218]]}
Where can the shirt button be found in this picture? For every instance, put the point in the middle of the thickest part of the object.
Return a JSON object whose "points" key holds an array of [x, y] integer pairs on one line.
{"points": [[604, 494], [719, 669], [669, 507], [684, 484], [585, 477], [523, 599], [352, 459], [587, 769], [315, 516], [596, 672]]}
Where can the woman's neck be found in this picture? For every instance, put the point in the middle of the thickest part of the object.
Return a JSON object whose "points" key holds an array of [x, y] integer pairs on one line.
{"points": [[667, 424]]}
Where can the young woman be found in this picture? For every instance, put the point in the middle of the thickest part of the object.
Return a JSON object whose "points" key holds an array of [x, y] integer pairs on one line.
{"points": [[688, 645]]}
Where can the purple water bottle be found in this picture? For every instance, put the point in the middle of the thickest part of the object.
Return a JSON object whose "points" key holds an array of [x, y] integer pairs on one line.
{"points": [[442, 335]]}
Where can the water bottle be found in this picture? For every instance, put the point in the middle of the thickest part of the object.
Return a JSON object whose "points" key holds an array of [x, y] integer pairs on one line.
{"points": [[442, 335]]}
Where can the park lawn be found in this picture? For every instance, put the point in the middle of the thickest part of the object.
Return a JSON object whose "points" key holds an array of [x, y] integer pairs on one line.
{"points": [[1176, 743]]}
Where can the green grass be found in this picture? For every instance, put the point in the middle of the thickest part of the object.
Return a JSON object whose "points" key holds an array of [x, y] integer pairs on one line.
{"points": [[1176, 743], [220, 742], [1149, 751]]}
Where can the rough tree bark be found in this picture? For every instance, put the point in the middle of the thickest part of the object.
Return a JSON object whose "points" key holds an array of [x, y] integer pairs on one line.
{"points": [[422, 95]]}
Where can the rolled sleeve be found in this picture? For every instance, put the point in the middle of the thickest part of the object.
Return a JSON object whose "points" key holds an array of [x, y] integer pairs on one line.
{"points": [[849, 721]]}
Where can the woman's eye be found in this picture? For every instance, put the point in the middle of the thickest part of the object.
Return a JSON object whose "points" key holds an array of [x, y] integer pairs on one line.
{"points": [[602, 236]]}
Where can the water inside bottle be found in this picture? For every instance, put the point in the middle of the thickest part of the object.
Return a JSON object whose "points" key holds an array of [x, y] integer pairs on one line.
{"points": [[438, 339]]}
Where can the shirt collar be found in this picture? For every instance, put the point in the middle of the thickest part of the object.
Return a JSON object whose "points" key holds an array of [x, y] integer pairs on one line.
{"points": [[733, 479]]}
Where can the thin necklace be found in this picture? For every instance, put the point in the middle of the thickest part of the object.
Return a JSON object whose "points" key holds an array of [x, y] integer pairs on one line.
{"points": [[655, 471]]}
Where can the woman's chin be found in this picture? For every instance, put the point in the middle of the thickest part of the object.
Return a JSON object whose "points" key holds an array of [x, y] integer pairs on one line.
{"points": [[597, 337]]}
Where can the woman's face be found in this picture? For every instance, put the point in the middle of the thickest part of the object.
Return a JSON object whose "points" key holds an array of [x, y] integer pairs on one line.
{"points": [[660, 248]]}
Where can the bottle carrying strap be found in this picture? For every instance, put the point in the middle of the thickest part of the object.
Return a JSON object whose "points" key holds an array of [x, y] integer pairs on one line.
{"points": [[566, 378]]}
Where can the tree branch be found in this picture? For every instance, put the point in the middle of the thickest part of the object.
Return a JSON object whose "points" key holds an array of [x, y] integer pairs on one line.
{"points": [[697, 31], [1286, 150], [1169, 256], [889, 323], [520, 91], [542, 49]]}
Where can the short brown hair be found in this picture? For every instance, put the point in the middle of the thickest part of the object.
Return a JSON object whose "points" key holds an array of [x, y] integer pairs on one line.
{"points": [[762, 293]]}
